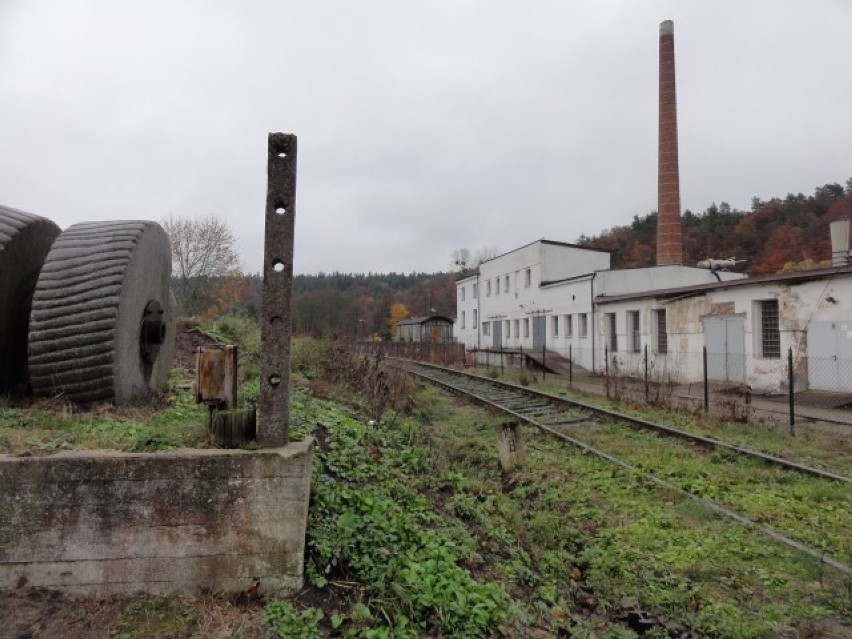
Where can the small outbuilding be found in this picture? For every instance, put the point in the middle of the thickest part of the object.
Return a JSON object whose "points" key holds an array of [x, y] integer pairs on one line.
{"points": [[434, 329]]}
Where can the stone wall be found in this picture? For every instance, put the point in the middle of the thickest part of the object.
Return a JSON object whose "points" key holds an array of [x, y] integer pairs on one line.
{"points": [[109, 523]]}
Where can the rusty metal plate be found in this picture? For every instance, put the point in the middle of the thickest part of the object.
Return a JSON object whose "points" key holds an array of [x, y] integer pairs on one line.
{"points": [[216, 375]]}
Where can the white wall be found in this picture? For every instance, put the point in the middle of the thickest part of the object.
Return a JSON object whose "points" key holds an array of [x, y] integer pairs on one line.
{"points": [[522, 300], [655, 278], [798, 304]]}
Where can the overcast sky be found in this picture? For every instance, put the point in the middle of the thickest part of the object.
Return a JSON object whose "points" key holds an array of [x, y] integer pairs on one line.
{"points": [[423, 126]]}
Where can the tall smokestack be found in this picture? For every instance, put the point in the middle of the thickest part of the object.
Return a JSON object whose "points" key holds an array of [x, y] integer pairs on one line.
{"points": [[669, 244]]}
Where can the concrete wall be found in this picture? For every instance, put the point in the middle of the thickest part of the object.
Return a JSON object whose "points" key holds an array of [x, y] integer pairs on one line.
{"points": [[107, 523], [656, 278], [799, 303]]}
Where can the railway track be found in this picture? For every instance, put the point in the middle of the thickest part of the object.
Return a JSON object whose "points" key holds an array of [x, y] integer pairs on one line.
{"points": [[621, 439]]}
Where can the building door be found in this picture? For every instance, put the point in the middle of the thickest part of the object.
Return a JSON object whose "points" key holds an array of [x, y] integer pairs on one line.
{"points": [[539, 323], [436, 334], [830, 356], [724, 338], [497, 333]]}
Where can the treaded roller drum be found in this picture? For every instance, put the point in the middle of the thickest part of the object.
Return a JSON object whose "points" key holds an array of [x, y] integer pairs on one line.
{"points": [[25, 240], [102, 325]]}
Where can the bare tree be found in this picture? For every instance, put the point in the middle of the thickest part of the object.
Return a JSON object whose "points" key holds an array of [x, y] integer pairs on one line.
{"points": [[462, 260], [202, 248]]}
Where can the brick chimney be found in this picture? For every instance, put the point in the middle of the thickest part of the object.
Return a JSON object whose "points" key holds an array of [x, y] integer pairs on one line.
{"points": [[669, 244]]}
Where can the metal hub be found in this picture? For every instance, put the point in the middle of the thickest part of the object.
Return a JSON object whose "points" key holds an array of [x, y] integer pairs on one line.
{"points": [[152, 332]]}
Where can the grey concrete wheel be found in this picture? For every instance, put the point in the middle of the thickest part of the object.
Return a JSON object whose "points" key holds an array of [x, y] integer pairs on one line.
{"points": [[25, 240], [102, 325]]}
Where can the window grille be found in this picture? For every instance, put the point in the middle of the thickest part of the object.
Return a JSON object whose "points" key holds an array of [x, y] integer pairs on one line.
{"points": [[633, 327], [770, 334], [569, 326], [584, 325], [555, 321], [662, 336], [612, 336]]}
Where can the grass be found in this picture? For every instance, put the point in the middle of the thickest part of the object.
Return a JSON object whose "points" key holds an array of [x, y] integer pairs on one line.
{"points": [[47, 427], [415, 531], [818, 449], [568, 539]]}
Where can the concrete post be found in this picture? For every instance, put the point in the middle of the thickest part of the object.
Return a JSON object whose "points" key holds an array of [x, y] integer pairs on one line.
{"points": [[276, 329]]}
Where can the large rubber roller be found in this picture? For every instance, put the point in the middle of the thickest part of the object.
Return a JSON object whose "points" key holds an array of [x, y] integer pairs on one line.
{"points": [[25, 240], [102, 325]]}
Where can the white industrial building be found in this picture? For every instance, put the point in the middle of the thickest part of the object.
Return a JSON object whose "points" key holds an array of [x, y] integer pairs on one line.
{"points": [[541, 296], [563, 299]]}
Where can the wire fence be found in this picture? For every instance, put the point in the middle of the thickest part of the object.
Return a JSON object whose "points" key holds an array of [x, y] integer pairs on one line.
{"points": [[443, 354], [791, 392]]}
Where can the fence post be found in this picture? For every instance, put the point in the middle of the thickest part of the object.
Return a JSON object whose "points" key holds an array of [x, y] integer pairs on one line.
{"points": [[790, 389], [543, 364], [570, 365], [706, 387], [646, 373], [606, 370], [501, 357]]}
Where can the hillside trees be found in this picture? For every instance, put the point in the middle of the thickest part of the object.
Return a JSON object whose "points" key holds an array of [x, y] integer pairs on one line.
{"points": [[398, 312], [776, 234]]}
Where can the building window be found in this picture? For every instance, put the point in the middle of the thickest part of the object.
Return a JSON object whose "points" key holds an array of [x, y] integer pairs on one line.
{"points": [[584, 325], [475, 318], [633, 331], [555, 321], [497, 286], [506, 283], [662, 336], [462, 319], [527, 277], [507, 328], [486, 328], [611, 334], [526, 327], [517, 328], [462, 293], [488, 288], [474, 291], [770, 333], [569, 326]]}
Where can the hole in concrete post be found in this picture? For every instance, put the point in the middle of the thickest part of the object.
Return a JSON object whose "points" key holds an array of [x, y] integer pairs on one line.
{"points": [[274, 379], [277, 265], [274, 320], [280, 210], [282, 154]]}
